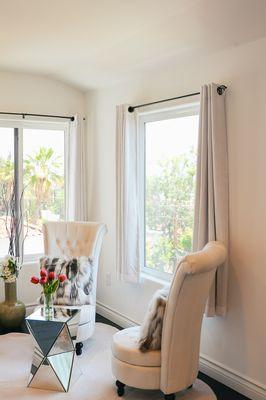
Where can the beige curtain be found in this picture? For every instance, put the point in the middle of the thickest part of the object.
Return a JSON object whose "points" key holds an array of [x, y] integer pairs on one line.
{"points": [[127, 198], [211, 208], [77, 207]]}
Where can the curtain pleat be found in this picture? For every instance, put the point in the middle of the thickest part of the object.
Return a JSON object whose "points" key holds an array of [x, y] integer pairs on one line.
{"points": [[211, 220], [127, 196], [77, 199]]}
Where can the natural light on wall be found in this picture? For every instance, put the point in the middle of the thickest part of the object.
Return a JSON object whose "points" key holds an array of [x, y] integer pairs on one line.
{"points": [[171, 149]]}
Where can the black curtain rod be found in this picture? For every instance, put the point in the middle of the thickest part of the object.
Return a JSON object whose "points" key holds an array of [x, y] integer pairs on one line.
{"points": [[220, 90], [37, 115]]}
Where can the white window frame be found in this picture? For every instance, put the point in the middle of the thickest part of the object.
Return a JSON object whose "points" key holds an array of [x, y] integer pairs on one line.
{"points": [[39, 124], [188, 109]]}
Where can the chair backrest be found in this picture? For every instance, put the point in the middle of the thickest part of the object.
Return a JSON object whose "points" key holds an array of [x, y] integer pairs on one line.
{"points": [[183, 316], [74, 239]]}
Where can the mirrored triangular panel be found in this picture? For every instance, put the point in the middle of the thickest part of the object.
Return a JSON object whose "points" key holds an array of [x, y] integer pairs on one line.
{"points": [[45, 378], [63, 343], [36, 344], [45, 333], [36, 362], [62, 365], [73, 324]]}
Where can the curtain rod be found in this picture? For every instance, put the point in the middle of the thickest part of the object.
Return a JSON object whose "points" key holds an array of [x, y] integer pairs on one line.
{"points": [[220, 90], [37, 115]]}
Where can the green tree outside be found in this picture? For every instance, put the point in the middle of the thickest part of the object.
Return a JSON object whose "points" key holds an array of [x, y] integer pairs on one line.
{"points": [[43, 183], [170, 211]]}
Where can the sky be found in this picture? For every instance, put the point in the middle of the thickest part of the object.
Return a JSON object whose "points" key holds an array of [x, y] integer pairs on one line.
{"points": [[170, 137], [32, 141]]}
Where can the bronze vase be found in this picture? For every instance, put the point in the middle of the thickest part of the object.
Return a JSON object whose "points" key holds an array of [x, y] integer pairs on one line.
{"points": [[12, 311]]}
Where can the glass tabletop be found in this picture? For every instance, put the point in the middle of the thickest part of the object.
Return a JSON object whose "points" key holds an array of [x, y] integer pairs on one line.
{"points": [[61, 314]]}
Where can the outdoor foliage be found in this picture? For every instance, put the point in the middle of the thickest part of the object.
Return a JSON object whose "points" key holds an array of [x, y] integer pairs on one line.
{"points": [[170, 211], [43, 183]]}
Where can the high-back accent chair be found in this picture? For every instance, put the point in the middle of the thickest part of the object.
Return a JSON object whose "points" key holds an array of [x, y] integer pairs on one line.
{"points": [[175, 366], [75, 239]]}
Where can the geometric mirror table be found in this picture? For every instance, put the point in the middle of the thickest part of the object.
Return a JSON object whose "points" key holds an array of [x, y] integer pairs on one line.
{"points": [[54, 348]]}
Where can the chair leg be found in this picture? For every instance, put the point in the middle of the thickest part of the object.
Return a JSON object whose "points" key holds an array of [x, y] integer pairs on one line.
{"points": [[79, 348], [120, 388], [169, 396]]}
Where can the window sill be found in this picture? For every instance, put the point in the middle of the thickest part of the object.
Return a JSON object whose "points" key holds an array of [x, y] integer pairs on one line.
{"points": [[151, 278], [30, 262]]}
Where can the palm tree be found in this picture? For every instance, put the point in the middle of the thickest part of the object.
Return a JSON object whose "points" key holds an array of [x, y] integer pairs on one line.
{"points": [[42, 174], [7, 173], [6, 181]]}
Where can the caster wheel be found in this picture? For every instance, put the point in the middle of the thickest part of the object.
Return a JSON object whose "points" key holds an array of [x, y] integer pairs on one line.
{"points": [[169, 396], [79, 348], [120, 388]]}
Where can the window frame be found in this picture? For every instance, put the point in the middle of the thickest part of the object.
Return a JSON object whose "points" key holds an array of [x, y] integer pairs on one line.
{"points": [[178, 111], [38, 124]]}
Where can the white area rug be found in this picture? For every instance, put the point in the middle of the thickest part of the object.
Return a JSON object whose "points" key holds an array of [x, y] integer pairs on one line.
{"points": [[96, 383]]}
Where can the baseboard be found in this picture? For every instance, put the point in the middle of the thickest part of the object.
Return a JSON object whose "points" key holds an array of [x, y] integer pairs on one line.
{"points": [[222, 373], [232, 378], [114, 316]]}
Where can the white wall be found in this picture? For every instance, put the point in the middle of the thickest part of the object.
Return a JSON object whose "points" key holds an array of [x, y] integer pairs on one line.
{"points": [[237, 342], [33, 94]]}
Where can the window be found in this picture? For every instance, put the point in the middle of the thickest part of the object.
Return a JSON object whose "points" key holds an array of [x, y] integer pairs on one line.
{"points": [[32, 155], [169, 140]]}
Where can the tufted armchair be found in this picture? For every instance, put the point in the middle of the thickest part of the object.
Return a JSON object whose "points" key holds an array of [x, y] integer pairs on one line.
{"points": [[75, 239], [175, 366]]}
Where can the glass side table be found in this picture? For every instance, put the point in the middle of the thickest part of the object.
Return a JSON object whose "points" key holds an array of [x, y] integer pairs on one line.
{"points": [[54, 348]]}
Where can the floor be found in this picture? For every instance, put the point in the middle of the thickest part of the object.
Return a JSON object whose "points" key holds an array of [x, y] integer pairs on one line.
{"points": [[222, 392]]}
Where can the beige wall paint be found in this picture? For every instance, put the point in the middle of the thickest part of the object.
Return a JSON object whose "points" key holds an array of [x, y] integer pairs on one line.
{"points": [[33, 94], [238, 340]]}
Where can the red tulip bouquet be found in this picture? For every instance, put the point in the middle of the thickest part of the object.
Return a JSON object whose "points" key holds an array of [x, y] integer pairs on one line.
{"points": [[49, 282]]}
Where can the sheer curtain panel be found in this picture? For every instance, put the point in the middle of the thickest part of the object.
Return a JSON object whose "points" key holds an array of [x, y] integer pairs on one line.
{"points": [[127, 196], [77, 171], [211, 207]]}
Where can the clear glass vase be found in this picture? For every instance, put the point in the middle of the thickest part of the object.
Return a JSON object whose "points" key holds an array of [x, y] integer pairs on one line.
{"points": [[48, 306]]}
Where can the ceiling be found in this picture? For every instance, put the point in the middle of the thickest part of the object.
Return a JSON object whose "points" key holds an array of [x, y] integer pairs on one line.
{"points": [[94, 43]]}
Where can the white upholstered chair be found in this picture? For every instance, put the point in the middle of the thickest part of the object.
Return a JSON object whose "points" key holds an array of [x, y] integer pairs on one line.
{"points": [[175, 366], [75, 239]]}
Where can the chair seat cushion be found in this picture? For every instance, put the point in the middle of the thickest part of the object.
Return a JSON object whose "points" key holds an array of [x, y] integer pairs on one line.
{"points": [[125, 347]]}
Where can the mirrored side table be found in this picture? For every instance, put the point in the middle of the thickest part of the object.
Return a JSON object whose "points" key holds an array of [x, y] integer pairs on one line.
{"points": [[54, 348]]}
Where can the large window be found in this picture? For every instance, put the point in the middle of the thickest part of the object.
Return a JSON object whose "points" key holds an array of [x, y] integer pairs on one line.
{"points": [[169, 164], [32, 157]]}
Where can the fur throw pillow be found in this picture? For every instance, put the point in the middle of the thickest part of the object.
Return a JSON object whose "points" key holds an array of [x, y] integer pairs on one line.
{"points": [[152, 326], [77, 290]]}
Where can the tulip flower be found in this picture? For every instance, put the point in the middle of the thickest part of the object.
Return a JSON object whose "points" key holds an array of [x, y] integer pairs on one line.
{"points": [[43, 280], [51, 275], [35, 280], [43, 272], [62, 277]]}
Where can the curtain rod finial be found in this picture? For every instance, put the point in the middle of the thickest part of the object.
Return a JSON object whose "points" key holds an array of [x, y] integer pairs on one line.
{"points": [[130, 109], [221, 89]]}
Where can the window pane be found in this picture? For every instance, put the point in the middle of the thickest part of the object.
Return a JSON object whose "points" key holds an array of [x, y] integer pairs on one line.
{"points": [[170, 189], [43, 158], [6, 183]]}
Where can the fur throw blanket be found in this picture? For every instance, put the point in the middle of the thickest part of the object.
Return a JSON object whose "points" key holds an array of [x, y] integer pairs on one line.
{"points": [[152, 326], [77, 290]]}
